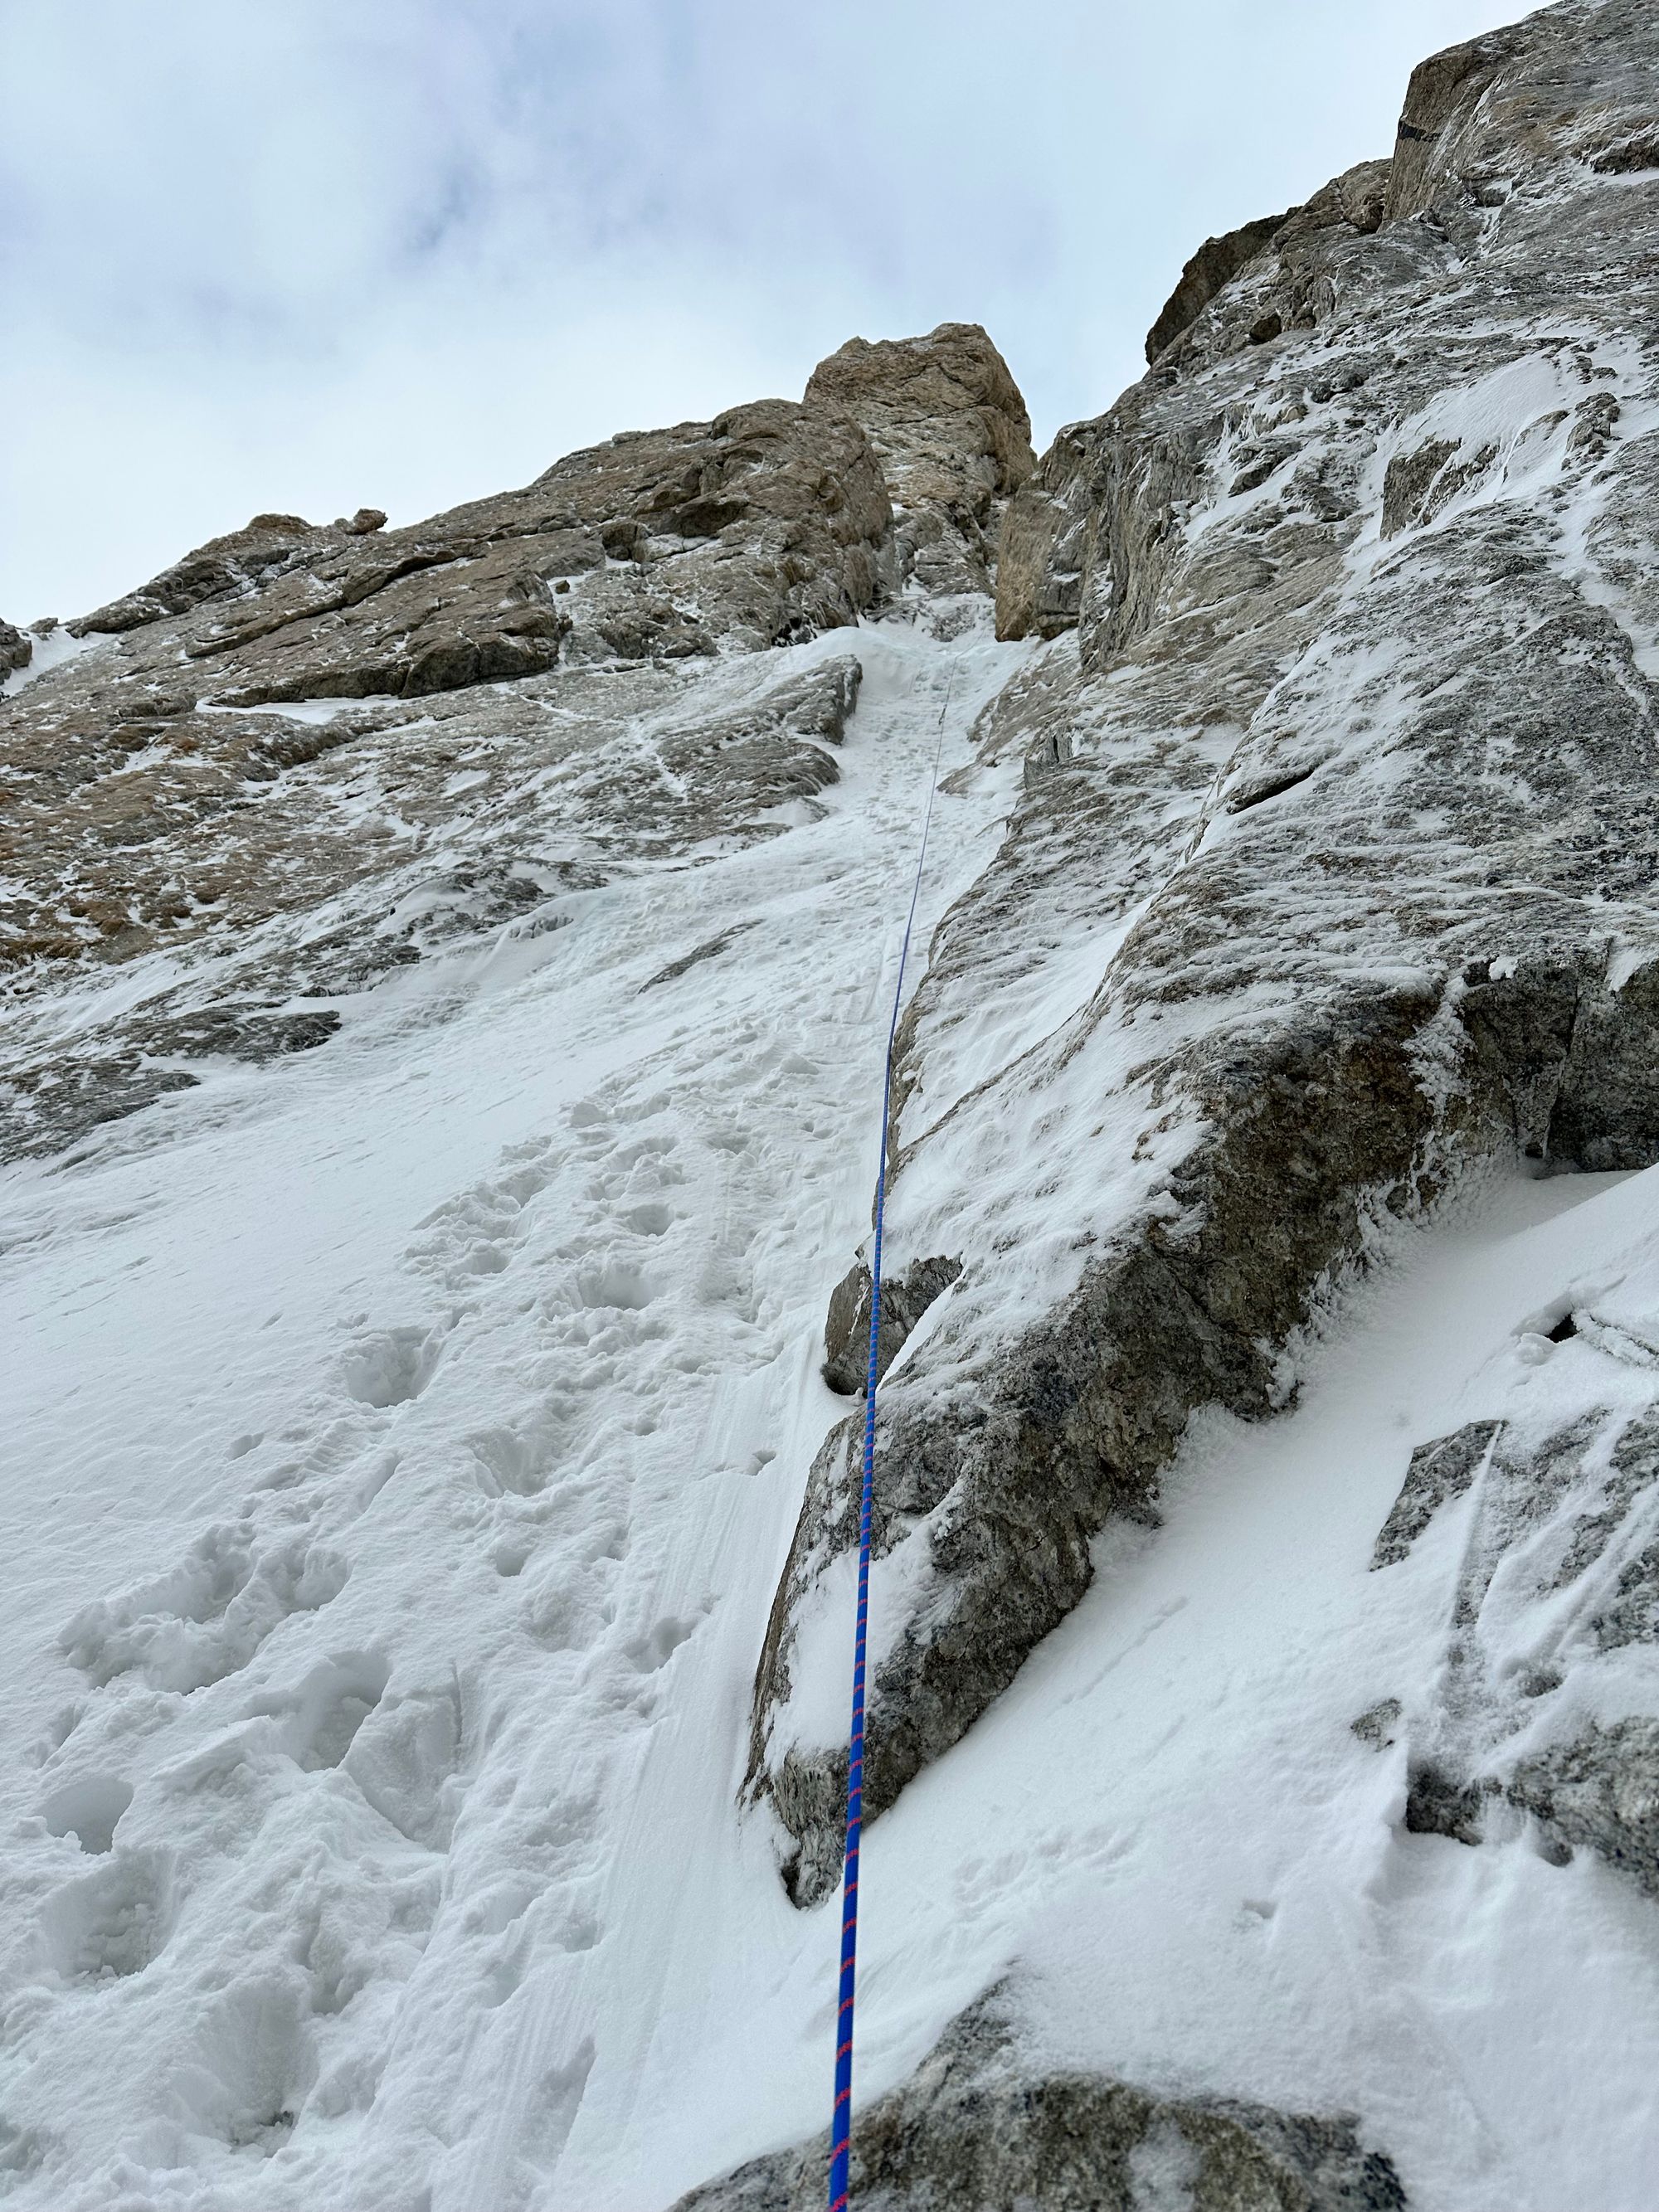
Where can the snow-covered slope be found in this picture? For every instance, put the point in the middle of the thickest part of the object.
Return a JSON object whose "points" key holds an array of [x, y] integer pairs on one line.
{"points": [[1186, 1835], [448, 972], [393, 1761], [404, 1445]]}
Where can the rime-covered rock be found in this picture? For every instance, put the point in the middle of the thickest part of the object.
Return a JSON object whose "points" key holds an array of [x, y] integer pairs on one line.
{"points": [[1546, 1698], [1334, 874], [252, 857]]}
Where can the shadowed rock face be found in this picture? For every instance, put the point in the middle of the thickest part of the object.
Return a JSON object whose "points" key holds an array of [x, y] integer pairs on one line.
{"points": [[1216, 263], [977, 2125], [1347, 770], [1046, 545], [1297, 241], [304, 758], [16, 649]]}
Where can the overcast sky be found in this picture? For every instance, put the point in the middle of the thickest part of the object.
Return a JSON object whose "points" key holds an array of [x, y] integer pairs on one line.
{"points": [[318, 254]]}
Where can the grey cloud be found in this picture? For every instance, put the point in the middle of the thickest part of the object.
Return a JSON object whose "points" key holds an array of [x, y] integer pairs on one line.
{"points": [[321, 252]]}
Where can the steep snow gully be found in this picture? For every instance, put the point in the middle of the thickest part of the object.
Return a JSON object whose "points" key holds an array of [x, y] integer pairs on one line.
{"points": [[447, 970], [482, 1915]]}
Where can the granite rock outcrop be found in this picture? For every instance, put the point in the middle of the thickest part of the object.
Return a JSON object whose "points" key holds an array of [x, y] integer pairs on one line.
{"points": [[949, 428]]}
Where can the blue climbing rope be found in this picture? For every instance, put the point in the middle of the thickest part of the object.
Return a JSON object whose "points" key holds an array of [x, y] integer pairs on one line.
{"points": [[840, 2126]]}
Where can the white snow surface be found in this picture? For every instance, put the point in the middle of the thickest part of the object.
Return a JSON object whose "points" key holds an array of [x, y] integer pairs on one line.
{"points": [[401, 1451], [51, 651]]}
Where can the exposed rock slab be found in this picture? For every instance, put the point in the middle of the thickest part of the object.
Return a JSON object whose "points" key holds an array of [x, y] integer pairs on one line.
{"points": [[227, 568], [1438, 1471], [766, 523], [1600, 1792], [976, 2125]]}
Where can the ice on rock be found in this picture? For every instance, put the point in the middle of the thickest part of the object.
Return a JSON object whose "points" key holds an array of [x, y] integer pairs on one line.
{"points": [[441, 1092]]}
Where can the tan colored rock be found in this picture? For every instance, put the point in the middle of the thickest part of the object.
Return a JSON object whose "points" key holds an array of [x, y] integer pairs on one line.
{"points": [[528, 628], [769, 523], [225, 568], [948, 422], [624, 578]]}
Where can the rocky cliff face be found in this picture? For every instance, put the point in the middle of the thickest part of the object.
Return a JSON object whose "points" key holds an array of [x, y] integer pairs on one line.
{"points": [[240, 792], [951, 432], [1295, 887], [1350, 762]]}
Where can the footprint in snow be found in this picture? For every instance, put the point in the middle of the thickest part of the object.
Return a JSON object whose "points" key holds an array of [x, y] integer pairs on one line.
{"points": [[323, 1712], [509, 1460], [208, 1617], [111, 1923], [651, 1651], [393, 1365], [90, 1808]]}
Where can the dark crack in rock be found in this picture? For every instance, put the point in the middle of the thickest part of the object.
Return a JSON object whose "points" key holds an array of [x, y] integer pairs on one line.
{"points": [[1439, 1804], [1045, 545]]}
